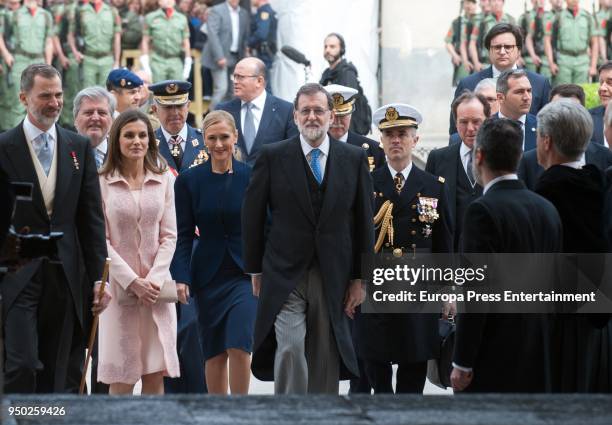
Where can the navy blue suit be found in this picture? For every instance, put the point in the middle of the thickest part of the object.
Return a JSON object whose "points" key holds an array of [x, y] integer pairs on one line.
{"points": [[531, 127], [276, 124], [598, 114], [188, 336], [540, 90], [190, 152], [529, 170]]}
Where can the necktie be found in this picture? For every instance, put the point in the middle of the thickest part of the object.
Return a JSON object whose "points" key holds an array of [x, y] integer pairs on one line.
{"points": [[249, 127], [399, 182], [44, 151], [176, 150], [468, 169], [314, 164], [99, 156]]}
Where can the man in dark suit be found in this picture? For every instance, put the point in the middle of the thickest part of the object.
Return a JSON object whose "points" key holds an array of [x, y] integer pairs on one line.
{"points": [[344, 105], [454, 163], [582, 343], [529, 170], [409, 340], [504, 43], [183, 147], [228, 32], [605, 94], [307, 272], [6, 212], [260, 117], [608, 210], [503, 352], [487, 88], [46, 304]]}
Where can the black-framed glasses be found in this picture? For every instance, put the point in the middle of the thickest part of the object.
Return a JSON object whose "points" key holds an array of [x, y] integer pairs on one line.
{"points": [[507, 47], [238, 77]]}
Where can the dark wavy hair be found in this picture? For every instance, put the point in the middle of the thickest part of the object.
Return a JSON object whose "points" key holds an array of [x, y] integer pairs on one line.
{"points": [[153, 162]]}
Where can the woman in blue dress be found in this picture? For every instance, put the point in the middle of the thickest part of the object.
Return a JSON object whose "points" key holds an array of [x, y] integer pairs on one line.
{"points": [[209, 197]]}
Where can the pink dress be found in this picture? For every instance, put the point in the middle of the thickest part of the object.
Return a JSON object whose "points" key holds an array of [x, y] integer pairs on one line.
{"points": [[141, 238]]}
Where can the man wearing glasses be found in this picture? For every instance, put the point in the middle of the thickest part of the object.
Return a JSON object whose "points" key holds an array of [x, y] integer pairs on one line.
{"points": [[504, 43], [307, 272], [260, 117]]}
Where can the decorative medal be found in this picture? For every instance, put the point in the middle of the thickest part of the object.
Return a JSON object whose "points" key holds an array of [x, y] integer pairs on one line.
{"points": [[427, 208], [175, 151], [200, 159], [194, 143], [397, 252], [427, 231], [75, 161]]}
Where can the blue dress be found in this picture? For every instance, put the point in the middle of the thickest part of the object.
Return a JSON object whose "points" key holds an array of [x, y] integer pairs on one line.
{"points": [[223, 293]]}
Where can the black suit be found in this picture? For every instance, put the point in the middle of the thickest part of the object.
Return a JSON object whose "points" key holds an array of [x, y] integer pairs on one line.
{"points": [[276, 124], [61, 293], [374, 150], [7, 209], [581, 350], [540, 90], [608, 209], [507, 351], [406, 339], [296, 238], [446, 162], [597, 114], [529, 170]]}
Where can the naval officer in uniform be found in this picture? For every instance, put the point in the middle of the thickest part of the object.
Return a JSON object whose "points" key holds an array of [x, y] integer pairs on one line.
{"points": [[421, 223]]}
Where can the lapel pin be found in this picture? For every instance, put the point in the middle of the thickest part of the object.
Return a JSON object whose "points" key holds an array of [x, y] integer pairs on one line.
{"points": [[194, 143], [75, 161]]}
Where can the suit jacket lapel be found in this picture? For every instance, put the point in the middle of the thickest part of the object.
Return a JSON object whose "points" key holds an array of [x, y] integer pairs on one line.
{"points": [[163, 148], [293, 164], [266, 117], [191, 151], [65, 166], [23, 167], [335, 179], [234, 109]]}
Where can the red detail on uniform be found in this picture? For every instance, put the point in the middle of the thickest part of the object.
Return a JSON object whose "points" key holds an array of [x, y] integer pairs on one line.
{"points": [[32, 10], [604, 24], [449, 33], [532, 25], [498, 16], [575, 11], [169, 12], [549, 25], [97, 6], [540, 11], [173, 171]]}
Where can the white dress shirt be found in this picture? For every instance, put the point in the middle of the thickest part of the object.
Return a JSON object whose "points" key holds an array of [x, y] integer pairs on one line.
{"points": [[32, 132], [605, 141], [257, 107], [464, 154], [182, 133], [576, 164], [497, 72], [323, 147], [405, 172], [498, 179], [344, 137], [235, 18]]}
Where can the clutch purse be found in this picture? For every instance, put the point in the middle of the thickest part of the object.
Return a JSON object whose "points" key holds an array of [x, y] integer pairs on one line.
{"points": [[167, 294]]}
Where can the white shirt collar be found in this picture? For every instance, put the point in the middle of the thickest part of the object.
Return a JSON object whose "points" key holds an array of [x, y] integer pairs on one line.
{"points": [[405, 172], [259, 102], [182, 133], [306, 148], [103, 146], [497, 72], [32, 132], [605, 140], [578, 164], [344, 137], [464, 149], [522, 118], [498, 179]]}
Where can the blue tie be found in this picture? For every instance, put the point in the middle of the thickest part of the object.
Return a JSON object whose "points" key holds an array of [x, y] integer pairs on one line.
{"points": [[314, 164], [44, 151], [249, 132]]}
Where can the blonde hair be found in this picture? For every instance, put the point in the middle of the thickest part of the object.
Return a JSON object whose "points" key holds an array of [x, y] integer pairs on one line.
{"points": [[216, 117]]}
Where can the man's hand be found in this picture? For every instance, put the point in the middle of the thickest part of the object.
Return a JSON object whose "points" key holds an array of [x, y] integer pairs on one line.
{"points": [[64, 61], [99, 305], [456, 59], [460, 379], [9, 60], [146, 292], [78, 57], [449, 309], [182, 290], [592, 71], [222, 62], [256, 282], [554, 69], [537, 61], [355, 295]]}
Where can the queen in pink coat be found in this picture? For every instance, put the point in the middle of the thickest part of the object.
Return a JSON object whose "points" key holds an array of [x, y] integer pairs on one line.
{"points": [[137, 341]]}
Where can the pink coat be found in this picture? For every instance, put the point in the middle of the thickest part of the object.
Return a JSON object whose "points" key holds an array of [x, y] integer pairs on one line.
{"points": [[141, 240]]}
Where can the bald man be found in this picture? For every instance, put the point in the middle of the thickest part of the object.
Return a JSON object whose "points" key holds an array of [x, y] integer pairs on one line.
{"points": [[260, 117]]}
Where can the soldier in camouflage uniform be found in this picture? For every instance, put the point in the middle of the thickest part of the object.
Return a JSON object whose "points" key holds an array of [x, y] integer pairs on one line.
{"points": [[573, 33], [131, 25], [166, 36], [29, 31], [529, 18], [94, 35], [477, 50], [601, 29], [461, 24], [66, 63]]}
